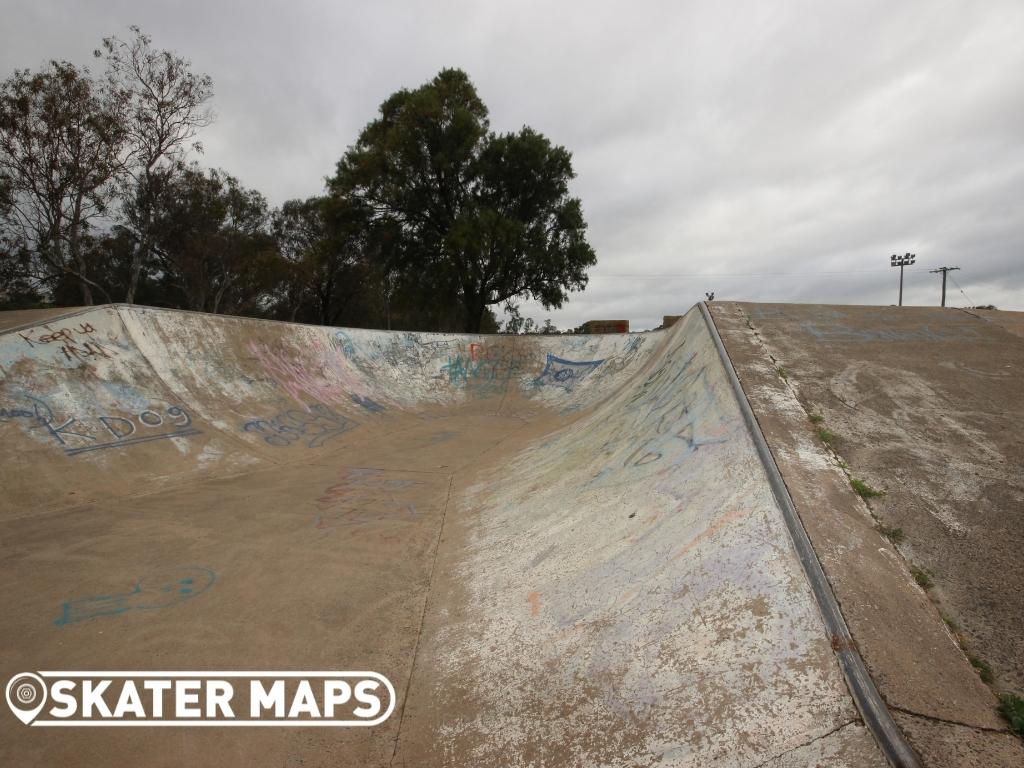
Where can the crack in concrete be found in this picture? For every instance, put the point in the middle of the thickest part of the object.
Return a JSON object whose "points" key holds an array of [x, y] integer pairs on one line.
{"points": [[423, 614], [944, 721], [773, 758]]}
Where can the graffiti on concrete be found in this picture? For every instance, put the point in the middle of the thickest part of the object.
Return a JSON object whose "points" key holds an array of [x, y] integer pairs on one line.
{"points": [[344, 343], [152, 593], [666, 407], [328, 376], [435, 345], [483, 366], [312, 427], [365, 495], [300, 380], [565, 374], [629, 355], [368, 404], [83, 434], [75, 343]]}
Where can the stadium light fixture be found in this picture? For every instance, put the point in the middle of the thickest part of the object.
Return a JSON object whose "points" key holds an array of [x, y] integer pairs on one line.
{"points": [[901, 262]]}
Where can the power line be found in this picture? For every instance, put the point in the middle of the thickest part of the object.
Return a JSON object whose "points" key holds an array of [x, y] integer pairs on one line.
{"points": [[662, 276], [969, 300]]}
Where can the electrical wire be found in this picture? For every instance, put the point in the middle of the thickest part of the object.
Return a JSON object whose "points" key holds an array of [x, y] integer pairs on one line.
{"points": [[969, 301], [663, 276]]}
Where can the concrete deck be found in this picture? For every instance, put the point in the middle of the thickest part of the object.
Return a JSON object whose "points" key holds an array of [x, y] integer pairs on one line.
{"points": [[562, 551], [925, 404]]}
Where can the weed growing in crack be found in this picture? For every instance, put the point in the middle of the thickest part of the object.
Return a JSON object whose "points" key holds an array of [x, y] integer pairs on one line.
{"points": [[984, 670], [922, 576], [815, 418], [895, 535], [826, 436], [864, 490], [1011, 707]]}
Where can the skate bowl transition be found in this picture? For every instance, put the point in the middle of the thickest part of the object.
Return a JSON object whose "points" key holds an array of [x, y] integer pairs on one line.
{"points": [[560, 550]]}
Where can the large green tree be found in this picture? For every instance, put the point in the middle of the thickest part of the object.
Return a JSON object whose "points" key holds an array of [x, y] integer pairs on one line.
{"points": [[59, 143], [212, 241], [460, 214], [161, 106], [328, 280]]}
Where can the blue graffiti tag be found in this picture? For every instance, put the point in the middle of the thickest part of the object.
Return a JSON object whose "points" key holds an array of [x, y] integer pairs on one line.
{"points": [[344, 342], [314, 426], [488, 367], [122, 430], [458, 369], [151, 593], [368, 404], [39, 412], [566, 374]]}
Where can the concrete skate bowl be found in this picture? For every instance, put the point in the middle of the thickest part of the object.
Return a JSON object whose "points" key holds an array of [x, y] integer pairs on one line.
{"points": [[560, 550]]}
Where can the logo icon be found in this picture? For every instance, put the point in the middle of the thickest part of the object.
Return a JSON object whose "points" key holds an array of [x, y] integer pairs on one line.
{"points": [[207, 698], [26, 696]]}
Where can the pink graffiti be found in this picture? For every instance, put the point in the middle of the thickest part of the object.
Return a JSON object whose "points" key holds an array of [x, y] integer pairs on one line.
{"points": [[340, 369], [328, 377], [301, 381]]}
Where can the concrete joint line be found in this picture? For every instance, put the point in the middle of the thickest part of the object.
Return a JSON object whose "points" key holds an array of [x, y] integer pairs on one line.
{"points": [[423, 616], [865, 695]]}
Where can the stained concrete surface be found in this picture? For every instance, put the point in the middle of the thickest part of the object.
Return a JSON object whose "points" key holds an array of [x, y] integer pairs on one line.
{"points": [[561, 550], [926, 404]]}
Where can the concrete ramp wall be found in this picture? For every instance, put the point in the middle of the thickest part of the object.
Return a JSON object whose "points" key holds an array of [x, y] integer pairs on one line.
{"points": [[626, 593], [128, 400]]}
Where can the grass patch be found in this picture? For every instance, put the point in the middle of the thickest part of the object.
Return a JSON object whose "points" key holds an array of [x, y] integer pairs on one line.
{"points": [[895, 535], [815, 418], [984, 670], [782, 372], [1012, 708], [950, 622], [864, 490], [922, 577], [826, 436]]}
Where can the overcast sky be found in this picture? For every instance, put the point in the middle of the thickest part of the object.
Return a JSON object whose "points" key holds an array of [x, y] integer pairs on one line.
{"points": [[768, 151]]}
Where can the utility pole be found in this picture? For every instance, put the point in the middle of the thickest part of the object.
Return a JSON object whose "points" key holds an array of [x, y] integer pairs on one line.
{"points": [[901, 262], [944, 270]]}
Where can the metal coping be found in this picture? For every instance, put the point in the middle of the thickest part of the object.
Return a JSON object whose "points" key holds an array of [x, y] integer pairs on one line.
{"points": [[865, 695]]}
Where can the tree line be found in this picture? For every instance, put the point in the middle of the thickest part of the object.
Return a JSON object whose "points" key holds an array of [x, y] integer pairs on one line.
{"points": [[430, 220]]}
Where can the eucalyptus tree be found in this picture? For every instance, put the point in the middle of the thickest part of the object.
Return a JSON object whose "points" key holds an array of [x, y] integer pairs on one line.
{"points": [[60, 141], [162, 105]]}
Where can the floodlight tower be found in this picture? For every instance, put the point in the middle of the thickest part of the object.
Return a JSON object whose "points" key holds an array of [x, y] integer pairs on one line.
{"points": [[944, 270], [901, 262]]}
